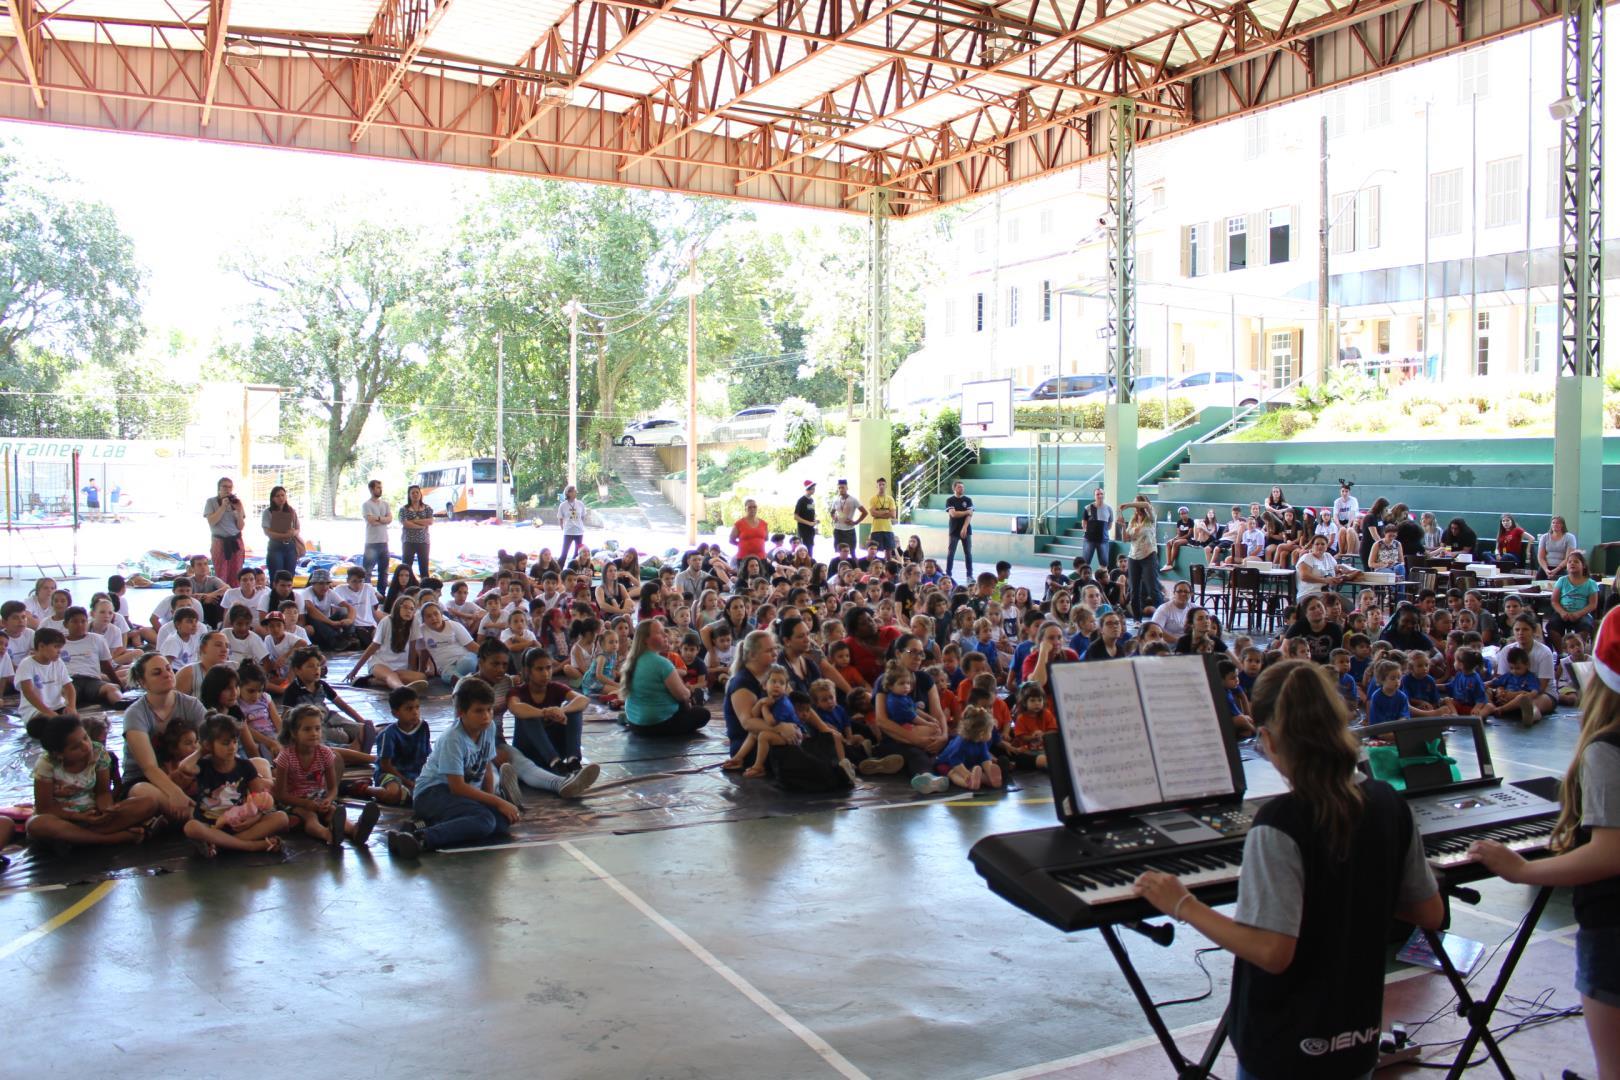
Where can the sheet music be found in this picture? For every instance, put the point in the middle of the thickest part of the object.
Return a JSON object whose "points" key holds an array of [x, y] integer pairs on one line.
{"points": [[1184, 729], [1105, 735]]}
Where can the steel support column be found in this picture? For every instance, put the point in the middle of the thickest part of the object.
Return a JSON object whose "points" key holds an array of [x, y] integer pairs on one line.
{"points": [[1578, 431], [1119, 416], [868, 446]]}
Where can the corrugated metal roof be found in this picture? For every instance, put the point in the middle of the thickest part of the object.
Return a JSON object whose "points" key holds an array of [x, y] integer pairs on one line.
{"points": [[497, 31]]}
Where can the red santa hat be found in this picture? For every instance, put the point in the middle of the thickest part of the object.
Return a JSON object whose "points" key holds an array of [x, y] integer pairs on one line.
{"points": [[1606, 650]]}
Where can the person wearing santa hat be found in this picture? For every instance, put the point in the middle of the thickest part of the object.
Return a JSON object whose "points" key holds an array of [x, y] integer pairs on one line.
{"points": [[1587, 841]]}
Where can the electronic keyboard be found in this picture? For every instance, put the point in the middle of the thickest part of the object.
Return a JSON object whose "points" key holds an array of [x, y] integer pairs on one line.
{"points": [[1078, 878]]}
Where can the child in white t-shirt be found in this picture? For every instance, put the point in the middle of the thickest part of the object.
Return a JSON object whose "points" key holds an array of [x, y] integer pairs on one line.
{"points": [[42, 679]]}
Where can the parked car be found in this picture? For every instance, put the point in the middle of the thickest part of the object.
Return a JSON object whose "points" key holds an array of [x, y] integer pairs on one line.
{"points": [[1220, 388], [654, 433], [1072, 386], [1148, 384], [750, 423]]}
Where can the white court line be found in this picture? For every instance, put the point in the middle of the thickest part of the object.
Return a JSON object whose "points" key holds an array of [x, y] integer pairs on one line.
{"points": [[815, 1042]]}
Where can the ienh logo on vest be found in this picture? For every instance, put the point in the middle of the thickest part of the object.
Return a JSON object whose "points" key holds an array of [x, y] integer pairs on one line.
{"points": [[1344, 1040]]}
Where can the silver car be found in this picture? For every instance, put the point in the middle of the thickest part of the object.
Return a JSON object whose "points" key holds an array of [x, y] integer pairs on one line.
{"points": [[750, 423]]}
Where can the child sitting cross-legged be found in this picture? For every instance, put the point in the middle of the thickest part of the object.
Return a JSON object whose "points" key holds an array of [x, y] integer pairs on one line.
{"points": [[1030, 723], [402, 749], [1575, 647], [456, 790], [967, 760], [1386, 702], [234, 807], [1421, 689], [73, 795], [1467, 689], [351, 738]]}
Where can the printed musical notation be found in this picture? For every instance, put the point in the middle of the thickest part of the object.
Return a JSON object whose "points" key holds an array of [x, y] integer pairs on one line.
{"points": [[1140, 733]]}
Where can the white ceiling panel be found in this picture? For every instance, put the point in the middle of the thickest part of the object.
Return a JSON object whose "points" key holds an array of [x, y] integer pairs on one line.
{"points": [[495, 31], [309, 16]]}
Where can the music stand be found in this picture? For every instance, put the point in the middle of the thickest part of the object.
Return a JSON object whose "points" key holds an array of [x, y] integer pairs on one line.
{"points": [[1412, 737]]}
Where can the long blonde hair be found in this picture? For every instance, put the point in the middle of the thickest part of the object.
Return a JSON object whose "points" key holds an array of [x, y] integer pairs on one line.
{"points": [[1311, 731], [1600, 716]]}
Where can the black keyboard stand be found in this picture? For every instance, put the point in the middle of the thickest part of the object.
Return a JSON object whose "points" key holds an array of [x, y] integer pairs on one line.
{"points": [[1478, 1013], [1185, 1070]]}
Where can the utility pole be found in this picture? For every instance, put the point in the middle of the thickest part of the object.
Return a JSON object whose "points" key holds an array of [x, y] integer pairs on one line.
{"points": [[247, 447], [1327, 348], [500, 426], [572, 308], [693, 286]]}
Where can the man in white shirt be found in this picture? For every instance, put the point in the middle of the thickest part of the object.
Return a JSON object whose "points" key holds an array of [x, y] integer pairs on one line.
{"points": [[1172, 617], [847, 512], [378, 514], [331, 621], [571, 516], [248, 594], [1318, 571]]}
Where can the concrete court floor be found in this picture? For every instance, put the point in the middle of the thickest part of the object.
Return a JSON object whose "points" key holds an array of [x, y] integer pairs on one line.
{"points": [[854, 944]]}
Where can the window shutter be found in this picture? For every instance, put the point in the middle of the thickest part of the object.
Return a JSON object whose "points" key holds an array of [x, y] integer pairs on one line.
{"points": [[1367, 216], [1296, 348], [1217, 229], [1259, 240], [1187, 268]]}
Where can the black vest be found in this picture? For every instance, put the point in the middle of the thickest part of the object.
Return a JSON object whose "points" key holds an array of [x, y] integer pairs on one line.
{"points": [[1597, 904], [1321, 1017]]}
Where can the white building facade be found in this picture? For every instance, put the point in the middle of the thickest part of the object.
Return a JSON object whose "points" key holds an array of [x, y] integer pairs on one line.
{"points": [[1443, 211]]}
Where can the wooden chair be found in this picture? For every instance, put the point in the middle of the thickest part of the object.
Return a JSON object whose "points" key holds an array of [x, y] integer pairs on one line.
{"points": [[1198, 580], [1243, 593]]}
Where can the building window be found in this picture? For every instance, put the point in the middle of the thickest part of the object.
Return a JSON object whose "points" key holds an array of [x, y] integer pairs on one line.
{"points": [[1381, 336], [1280, 347], [1046, 301], [950, 317], [1237, 243], [1046, 222], [1254, 137], [1193, 254], [1012, 230], [1544, 339], [1158, 197], [978, 313], [1473, 75], [1012, 306], [1338, 112], [1445, 203], [1504, 192], [1342, 230], [1369, 213], [1482, 343], [978, 239], [1279, 231], [1380, 103]]}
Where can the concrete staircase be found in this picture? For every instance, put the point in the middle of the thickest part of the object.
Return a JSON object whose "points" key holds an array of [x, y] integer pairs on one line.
{"points": [[640, 469]]}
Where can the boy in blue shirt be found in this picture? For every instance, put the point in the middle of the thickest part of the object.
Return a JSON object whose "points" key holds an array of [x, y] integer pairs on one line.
{"points": [[456, 791], [1468, 694], [1421, 690], [1250, 661], [402, 749], [1346, 683], [1360, 647], [1387, 702], [1516, 691]]}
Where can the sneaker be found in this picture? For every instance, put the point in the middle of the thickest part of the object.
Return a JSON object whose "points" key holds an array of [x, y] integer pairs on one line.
{"points": [[506, 783], [338, 823], [580, 782], [420, 686], [404, 844], [883, 766], [368, 821], [570, 765], [1529, 715], [924, 784], [849, 770]]}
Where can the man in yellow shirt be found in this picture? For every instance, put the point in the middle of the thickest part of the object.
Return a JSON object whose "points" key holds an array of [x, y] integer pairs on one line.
{"points": [[882, 509]]}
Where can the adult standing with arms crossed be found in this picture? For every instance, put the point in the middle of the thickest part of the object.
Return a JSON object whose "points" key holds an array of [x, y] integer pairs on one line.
{"points": [[847, 512], [379, 515], [804, 516], [417, 517], [883, 510], [1097, 519], [280, 524], [959, 508], [571, 516], [225, 515]]}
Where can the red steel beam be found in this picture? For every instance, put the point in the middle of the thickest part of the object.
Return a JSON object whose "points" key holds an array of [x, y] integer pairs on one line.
{"points": [[219, 22], [405, 25], [25, 26]]}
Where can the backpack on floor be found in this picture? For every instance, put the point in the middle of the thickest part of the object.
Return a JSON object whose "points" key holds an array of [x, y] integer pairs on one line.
{"points": [[811, 767]]}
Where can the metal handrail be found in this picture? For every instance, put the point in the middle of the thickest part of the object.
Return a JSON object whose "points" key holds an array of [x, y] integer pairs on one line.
{"points": [[925, 478]]}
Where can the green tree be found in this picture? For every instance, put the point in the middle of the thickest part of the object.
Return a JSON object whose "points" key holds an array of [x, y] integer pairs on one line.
{"points": [[348, 314], [68, 280], [527, 249]]}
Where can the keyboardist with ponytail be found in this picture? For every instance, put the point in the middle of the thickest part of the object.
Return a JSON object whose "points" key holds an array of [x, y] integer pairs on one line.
{"points": [[1325, 869], [1587, 839]]}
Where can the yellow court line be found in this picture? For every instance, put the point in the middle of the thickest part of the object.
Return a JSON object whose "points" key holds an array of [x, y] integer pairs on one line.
{"points": [[22, 941]]}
